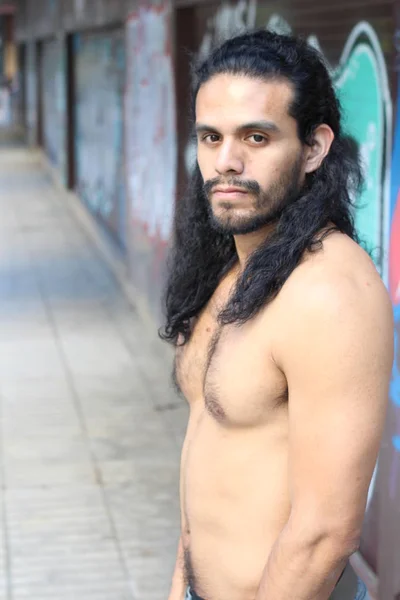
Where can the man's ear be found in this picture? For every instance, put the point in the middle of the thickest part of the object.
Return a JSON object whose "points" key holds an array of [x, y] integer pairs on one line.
{"points": [[322, 139]]}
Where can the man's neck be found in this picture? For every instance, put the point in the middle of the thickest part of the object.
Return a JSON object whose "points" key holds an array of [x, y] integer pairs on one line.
{"points": [[248, 243]]}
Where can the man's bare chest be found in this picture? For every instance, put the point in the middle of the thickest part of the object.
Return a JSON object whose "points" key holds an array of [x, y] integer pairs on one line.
{"points": [[229, 370]]}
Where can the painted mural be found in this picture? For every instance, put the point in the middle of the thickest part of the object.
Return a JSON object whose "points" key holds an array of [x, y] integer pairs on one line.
{"points": [[362, 84], [392, 447], [394, 284], [31, 93], [5, 107], [54, 104], [150, 117], [100, 75], [151, 144], [52, 6]]}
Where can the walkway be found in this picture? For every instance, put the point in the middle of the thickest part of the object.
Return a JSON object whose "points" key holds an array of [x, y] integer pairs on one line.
{"points": [[90, 428]]}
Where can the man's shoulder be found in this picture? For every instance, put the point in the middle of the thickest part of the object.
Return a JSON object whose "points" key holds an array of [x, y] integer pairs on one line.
{"points": [[338, 278], [338, 264], [334, 299]]}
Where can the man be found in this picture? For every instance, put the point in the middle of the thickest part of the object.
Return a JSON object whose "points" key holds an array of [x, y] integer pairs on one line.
{"points": [[283, 334]]}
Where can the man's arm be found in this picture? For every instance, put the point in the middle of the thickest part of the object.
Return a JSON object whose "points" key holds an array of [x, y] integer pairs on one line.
{"points": [[337, 355], [178, 587], [179, 584]]}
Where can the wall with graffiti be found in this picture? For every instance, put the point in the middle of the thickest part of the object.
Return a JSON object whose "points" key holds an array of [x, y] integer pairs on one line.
{"points": [[362, 84], [393, 448], [150, 145], [31, 93], [394, 275], [54, 104], [99, 148]]}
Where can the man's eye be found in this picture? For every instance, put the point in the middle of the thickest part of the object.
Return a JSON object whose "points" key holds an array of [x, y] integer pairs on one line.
{"points": [[211, 137], [258, 138]]}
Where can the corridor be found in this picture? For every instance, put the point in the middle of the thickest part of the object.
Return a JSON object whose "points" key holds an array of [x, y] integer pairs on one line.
{"points": [[90, 426]]}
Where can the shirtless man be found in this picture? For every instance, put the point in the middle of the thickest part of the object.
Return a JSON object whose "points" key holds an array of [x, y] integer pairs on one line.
{"points": [[283, 334]]}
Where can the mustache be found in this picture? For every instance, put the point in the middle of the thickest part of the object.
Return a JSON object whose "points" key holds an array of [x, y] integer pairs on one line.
{"points": [[249, 185]]}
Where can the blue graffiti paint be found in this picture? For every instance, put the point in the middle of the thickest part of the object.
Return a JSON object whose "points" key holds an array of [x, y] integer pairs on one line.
{"points": [[395, 174], [394, 389], [394, 270], [395, 385], [100, 72], [54, 104], [395, 382]]}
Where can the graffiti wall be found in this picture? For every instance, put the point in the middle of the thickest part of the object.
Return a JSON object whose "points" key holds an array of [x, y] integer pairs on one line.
{"points": [[393, 449], [150, 144], [19, 95], [99, 147], [54, 104], [362, 84], [31, 93]]}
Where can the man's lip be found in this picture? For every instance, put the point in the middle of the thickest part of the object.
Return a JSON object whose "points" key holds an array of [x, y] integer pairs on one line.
{"points": [[230, 190]]}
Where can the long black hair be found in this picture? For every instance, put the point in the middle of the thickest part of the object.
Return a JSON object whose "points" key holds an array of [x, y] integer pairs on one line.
{"points": [[200, 255]]}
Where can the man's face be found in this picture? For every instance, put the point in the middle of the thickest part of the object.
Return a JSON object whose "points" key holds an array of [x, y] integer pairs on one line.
{"points": [[248, 150]]}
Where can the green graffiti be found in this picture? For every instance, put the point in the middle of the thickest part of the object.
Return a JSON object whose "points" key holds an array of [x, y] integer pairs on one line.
{"points": [[359, 90], [361, 82]]}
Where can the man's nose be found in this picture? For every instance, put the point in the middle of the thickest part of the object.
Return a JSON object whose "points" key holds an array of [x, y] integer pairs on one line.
{"points": [[229, 159]]}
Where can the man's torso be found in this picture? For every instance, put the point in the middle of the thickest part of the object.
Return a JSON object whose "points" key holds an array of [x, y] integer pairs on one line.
{"points": [[234, 481], [235, 496]]}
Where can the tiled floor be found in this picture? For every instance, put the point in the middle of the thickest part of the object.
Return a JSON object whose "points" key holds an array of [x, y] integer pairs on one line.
{"points": [[90, 427]]}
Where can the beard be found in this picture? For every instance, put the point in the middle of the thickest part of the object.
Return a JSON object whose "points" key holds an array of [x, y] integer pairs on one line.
{"points": [[266, 208]]}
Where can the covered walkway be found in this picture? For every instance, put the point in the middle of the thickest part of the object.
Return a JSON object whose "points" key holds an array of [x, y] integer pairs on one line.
{"points": [[90, 427]]}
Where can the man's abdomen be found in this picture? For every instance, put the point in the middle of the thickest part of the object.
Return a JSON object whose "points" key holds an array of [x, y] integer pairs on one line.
{"points": [[236, 502]]}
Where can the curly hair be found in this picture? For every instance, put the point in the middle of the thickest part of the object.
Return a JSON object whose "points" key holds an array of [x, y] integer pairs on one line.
{"points": [[201, 255]]}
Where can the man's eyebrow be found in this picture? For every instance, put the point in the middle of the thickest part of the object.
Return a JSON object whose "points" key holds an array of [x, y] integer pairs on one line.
{"points": [[264, 125], [260, 125], [202, 128]]}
